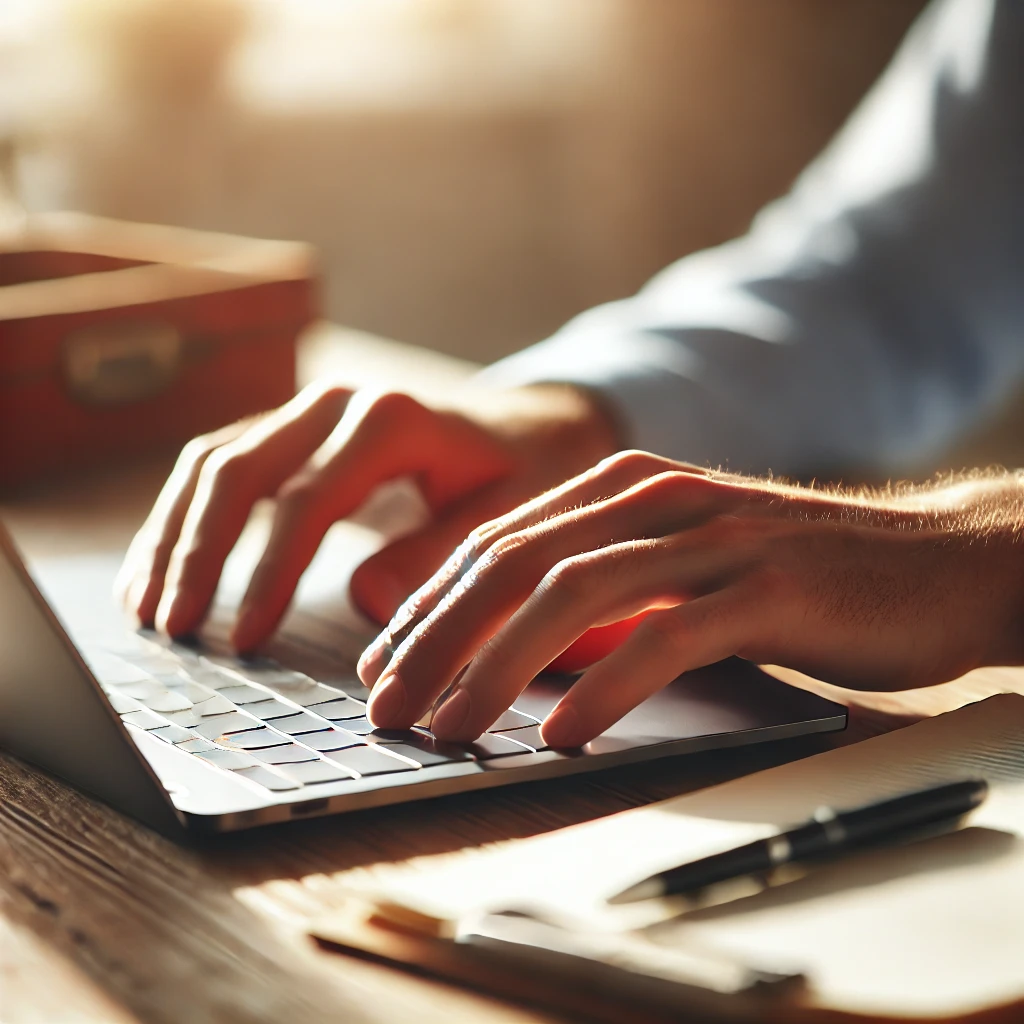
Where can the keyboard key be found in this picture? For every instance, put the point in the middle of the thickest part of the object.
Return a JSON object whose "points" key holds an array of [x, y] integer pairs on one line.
{"points": [[284, 755], [195, 745], [155, 663], [213, 679], [300, 723], [371, 760], [253, 739], [172, 734], [140, 689], [166, 700], [513, 719], [531, 737], [183, 718], [110, 670], [422, 740], [489, 746], [223, 725], [215, 705], [359, 726], [427, 755], [340, 709], [309, 693], [268, 710], [243, 694], [196, 692], [230, 759], [144, 719], [313, 772], [262, 671], [331, 739], [267, 779], [399, 735], [350, 686], [122, 704]]}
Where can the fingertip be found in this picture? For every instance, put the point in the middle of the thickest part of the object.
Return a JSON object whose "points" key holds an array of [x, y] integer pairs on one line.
{"points": [[387, 702], [246, 634], [372, 661], [450, 720], [563, 728], [146, 598], [173, 616]]}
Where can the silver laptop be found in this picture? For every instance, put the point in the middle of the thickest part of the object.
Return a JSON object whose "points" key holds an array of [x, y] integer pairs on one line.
{"points": [[189, 737]]}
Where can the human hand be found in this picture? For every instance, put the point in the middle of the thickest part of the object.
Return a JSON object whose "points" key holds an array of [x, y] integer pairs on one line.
{"points": [[886, 591], [321, 455]]}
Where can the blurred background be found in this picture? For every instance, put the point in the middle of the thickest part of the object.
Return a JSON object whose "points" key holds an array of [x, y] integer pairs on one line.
{"points": [[472, 172]]}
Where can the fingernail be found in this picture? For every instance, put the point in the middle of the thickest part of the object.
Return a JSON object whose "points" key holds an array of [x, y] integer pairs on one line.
{"points": [[387, 701], [371, 661], [562, 728], [451, 715]]}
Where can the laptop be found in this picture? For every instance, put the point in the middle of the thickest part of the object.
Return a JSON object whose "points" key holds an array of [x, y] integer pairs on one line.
{"points": [[186, 737]]}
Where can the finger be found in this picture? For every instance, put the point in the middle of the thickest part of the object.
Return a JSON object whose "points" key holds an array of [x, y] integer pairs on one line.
{"points": [[141, 578], [611, 476], [385, 581], [666, 644], [230, 481], [611, 584], [494, 587], [388, 577], [379, 438]]}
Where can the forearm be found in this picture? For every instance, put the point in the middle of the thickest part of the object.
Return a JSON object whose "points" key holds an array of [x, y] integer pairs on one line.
{"points": [[869, 318]]}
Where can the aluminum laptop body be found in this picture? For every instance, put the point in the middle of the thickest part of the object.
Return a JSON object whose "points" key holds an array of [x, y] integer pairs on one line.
{"points": [[189, 737]]}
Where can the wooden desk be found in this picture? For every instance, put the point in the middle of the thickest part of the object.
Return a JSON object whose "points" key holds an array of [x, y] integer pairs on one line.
{"points": [[103, 922]]}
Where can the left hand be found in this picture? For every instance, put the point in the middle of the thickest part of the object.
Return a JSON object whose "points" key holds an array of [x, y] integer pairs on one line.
{"points": [[888, 591]]}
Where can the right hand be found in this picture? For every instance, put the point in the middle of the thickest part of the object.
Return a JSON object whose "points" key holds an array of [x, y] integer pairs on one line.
{"points": [[321, 455]]}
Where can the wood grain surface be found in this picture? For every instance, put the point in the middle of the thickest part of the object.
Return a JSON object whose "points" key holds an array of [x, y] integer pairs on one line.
{"points": [[104, 922]]}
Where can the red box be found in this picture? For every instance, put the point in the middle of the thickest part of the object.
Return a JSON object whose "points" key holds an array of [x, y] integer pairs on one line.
{"points": [[117, 339]]}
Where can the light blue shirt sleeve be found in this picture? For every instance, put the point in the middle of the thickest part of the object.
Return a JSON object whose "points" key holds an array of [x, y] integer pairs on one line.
{"points": [[870, 316]]}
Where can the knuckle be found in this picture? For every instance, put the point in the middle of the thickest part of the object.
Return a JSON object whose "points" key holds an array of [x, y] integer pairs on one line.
{"points": [[631, 462], [504, 555], [325, 392], [570, 580], [226, 469], [668, 487], [498, 655], [196, 451], [666, 630], [325, 399], [389, 407], [480, 540], [298, 492]]}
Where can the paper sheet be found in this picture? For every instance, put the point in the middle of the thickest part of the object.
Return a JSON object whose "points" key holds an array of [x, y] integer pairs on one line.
{"points": [[931, 928]]}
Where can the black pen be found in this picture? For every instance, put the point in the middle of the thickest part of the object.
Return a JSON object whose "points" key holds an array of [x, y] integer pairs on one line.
{"points": [[827, 834]]}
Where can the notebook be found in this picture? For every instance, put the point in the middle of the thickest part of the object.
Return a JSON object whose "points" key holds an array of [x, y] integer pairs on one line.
{"points": [[929, 930]]}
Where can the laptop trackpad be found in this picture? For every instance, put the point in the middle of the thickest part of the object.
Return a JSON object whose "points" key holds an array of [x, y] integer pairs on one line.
{"points": [[732, 696]]}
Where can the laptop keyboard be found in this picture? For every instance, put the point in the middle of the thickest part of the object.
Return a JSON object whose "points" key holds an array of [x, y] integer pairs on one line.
{"points": [[276, 727]]}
